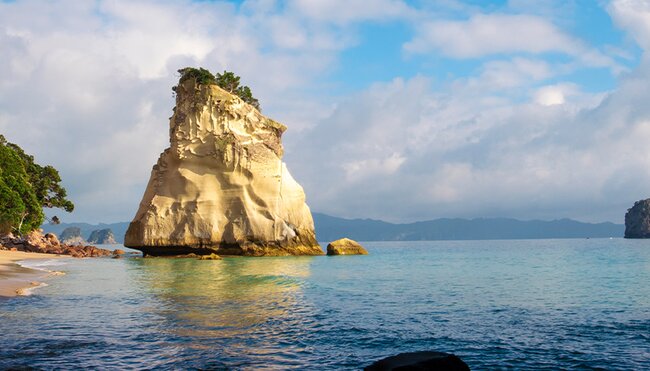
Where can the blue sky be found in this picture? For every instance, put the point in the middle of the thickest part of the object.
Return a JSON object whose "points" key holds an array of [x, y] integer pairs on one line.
{"points": [[397, 110], [379, 55]]}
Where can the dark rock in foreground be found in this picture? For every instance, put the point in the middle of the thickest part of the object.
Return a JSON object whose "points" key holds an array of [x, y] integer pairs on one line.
{"points": [[420, 361], [345, 246], [102, 237], [637, 220]]}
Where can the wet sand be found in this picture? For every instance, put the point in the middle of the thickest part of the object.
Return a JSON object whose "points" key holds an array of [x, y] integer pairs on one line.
{"points": [[16, 280]]}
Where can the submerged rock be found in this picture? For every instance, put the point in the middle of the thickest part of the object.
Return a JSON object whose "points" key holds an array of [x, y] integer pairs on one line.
{"points": [[420, 361], [222, 187], [210, 257], [345, 246], [637, 220], [102, 237]]}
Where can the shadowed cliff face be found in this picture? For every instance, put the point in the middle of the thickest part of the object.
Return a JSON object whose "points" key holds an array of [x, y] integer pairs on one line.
{"points": [[222, 186], [637, 220]]}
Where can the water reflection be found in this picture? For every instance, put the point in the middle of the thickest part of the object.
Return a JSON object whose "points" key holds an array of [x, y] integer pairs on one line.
{"points": [[252, 306]]}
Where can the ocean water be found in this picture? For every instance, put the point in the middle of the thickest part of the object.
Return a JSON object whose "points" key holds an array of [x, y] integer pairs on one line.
{"points": [[541, 304]]}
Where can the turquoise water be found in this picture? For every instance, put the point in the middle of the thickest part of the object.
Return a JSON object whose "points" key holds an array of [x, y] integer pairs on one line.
{"points": [[542, 304]]}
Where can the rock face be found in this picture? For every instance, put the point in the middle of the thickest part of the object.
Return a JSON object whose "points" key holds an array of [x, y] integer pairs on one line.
{"points": [[222, 187], [72, 236], [345, 246], [35, 241], [420, 361], [637, 220], [102, 237]]}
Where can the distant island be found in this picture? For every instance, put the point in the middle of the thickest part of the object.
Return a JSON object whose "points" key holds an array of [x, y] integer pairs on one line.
{"points": [[637, 220], [329, 228]]}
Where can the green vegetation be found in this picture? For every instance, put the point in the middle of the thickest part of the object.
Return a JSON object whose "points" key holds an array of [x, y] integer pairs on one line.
{"points": [[25, 189], [201, 75], [228, 81]]}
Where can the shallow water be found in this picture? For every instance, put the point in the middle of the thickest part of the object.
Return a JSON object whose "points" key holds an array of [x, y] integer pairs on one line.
{"points": [[542, 304]]}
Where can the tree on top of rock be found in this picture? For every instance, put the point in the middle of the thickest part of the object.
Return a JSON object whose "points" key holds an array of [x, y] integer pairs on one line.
{"points": [[227, 81], [201, 75]]}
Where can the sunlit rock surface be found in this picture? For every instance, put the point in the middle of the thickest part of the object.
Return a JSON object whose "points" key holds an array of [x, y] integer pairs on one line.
{"points": [[222, 187], [345, 246]]}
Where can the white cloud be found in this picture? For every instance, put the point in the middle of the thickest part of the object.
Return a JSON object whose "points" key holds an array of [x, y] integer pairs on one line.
{"points": [[634, 16], [516, 72], [358, 170], [85, 86], [567, 153], [555, 94], [492, 34], [497, 34]]}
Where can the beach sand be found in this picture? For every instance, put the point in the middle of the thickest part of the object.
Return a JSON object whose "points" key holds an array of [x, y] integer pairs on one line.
{"points": [[15, 279]]}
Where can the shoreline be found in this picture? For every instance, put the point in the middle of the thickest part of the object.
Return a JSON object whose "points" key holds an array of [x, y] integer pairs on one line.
{"points": [[16, 280]]}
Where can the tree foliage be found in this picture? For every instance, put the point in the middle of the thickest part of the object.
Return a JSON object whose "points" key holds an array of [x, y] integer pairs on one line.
{"points": [[228, 81], [25, 189], [201, 75]]}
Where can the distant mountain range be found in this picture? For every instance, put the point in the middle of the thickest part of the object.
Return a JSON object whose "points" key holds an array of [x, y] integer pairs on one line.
{"points": [[329, 228]]}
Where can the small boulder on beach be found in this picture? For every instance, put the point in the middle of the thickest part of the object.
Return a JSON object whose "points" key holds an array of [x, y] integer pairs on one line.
{"points": [[345, 246]]}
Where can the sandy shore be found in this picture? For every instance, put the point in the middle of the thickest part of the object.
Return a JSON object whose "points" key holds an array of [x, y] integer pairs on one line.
{"points": [[14, 279]]}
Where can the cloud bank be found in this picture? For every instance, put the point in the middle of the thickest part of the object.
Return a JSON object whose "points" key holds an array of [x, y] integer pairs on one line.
{"points": [[86, 88]]}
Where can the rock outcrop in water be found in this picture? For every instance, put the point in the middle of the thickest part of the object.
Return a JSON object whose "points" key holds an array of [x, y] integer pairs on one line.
{"points": [[345, 246], [72, 236], [222, 187], [637, 220], [102, 237]]}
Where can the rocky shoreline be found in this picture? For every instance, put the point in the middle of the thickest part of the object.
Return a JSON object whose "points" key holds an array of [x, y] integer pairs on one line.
{"points": [[49, 243]]}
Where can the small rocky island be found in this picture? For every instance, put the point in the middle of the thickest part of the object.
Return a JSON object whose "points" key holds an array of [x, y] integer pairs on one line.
{"points": [[221, 187], [637, 220], [72, 236], [102, 237]]}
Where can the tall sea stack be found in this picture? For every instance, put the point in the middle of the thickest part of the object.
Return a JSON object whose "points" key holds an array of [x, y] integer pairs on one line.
{"points": [[222, 187]]}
